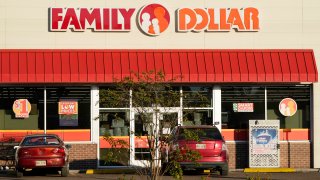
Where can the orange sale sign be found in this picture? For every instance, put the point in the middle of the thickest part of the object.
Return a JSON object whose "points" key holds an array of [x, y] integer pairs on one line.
{"points": [[68, 107], [21, 108]]}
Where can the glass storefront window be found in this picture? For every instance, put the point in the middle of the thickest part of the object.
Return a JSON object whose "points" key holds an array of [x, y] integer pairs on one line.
{"points": [[146, 125], [114, 141], [113, 97], [8, 119], [197, 117], [241, 104], [300, 94], [114, 123], [143, 125], [162, 96], [60, 102], [197, 96]]}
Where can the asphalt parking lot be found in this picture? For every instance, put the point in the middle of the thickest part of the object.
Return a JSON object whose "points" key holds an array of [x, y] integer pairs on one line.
{"points": [[307, 175]]}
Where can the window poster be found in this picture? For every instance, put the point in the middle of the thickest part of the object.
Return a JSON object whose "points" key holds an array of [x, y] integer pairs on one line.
{"points": [[68, 112], [21, 108], [288, 107], [243, 107], [265, 140]]}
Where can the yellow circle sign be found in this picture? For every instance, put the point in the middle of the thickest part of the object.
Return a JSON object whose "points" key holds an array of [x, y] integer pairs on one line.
{"points": [[288, 107], [22, 108]]}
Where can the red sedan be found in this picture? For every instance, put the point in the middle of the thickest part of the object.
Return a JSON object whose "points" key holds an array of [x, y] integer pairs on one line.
{"points": [[42, 151]]}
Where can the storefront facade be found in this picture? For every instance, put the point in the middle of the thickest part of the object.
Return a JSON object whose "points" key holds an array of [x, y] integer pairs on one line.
{"points": [[249, 53]]}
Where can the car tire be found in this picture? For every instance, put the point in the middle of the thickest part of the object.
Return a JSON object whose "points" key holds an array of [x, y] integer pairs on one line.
{"points": [[19, 172], [65, 171], [164, 168], [224, 172]]}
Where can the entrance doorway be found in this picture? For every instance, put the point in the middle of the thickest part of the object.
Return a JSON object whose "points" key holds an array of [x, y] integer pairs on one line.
{"points": [[153, 124]]}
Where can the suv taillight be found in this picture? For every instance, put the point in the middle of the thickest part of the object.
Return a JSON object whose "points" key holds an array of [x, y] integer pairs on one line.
{"points": [[224, 151]]}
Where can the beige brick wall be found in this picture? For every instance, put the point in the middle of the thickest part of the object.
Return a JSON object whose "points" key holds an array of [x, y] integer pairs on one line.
{"points": [[295, 154], [83, 156], [292, 154]]}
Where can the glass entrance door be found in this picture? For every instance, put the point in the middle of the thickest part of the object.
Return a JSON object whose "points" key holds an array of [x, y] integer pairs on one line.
{"points": [[114, 144], [148, 125]]}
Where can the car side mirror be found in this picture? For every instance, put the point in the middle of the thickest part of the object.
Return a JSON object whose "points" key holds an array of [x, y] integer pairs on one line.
{"points": [[68, 146]]}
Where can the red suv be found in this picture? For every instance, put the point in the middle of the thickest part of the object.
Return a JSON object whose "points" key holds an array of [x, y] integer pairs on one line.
{"points": [[207, 141]]}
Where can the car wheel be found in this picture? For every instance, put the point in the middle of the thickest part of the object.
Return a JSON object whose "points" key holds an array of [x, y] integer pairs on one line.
{"points": [[65, 171], [19, 172], [224, 172], [164, 168]]}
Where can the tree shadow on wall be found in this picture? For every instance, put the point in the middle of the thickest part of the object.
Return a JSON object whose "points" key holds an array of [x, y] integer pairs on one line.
{"points": [[83, 164], [241, 148]]}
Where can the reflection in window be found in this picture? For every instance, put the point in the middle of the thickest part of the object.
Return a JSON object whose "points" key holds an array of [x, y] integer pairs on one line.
{"points": [[114, 129], [40, 140], [233, 96], [113, 97], [143, 124], [201, 134], [162, 96], [167, 122], [8, 119], [114, 123], [78, 96], [197, 96], [197, 117]]}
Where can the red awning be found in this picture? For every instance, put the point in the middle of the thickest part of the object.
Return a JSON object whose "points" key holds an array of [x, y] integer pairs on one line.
{"points": [[190, 66]]}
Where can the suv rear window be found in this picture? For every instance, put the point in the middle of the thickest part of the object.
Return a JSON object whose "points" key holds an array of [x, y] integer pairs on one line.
{"points": [[199, 133]]}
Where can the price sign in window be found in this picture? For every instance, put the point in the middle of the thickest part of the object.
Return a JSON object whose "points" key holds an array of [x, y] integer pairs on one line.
{"points": [[21, 108]]}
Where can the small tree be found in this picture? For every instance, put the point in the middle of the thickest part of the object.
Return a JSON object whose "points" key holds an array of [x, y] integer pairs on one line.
{"points": [[147, 93]]}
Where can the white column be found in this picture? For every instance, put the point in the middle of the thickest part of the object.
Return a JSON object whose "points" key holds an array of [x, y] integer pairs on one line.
{"points": [[217, 106], [45, 110], [95, 114], [132, 133], [180, 114], [315, 125], [265, 103]]}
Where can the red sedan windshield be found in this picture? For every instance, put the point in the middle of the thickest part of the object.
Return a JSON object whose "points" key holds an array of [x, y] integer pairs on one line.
{"points": [[40, 140]]}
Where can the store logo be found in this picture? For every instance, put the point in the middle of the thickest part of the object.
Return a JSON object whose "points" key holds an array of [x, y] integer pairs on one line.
{"points": [[98, 19], [288, 107], [213, 19], [21, 108], [153, 19]]}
